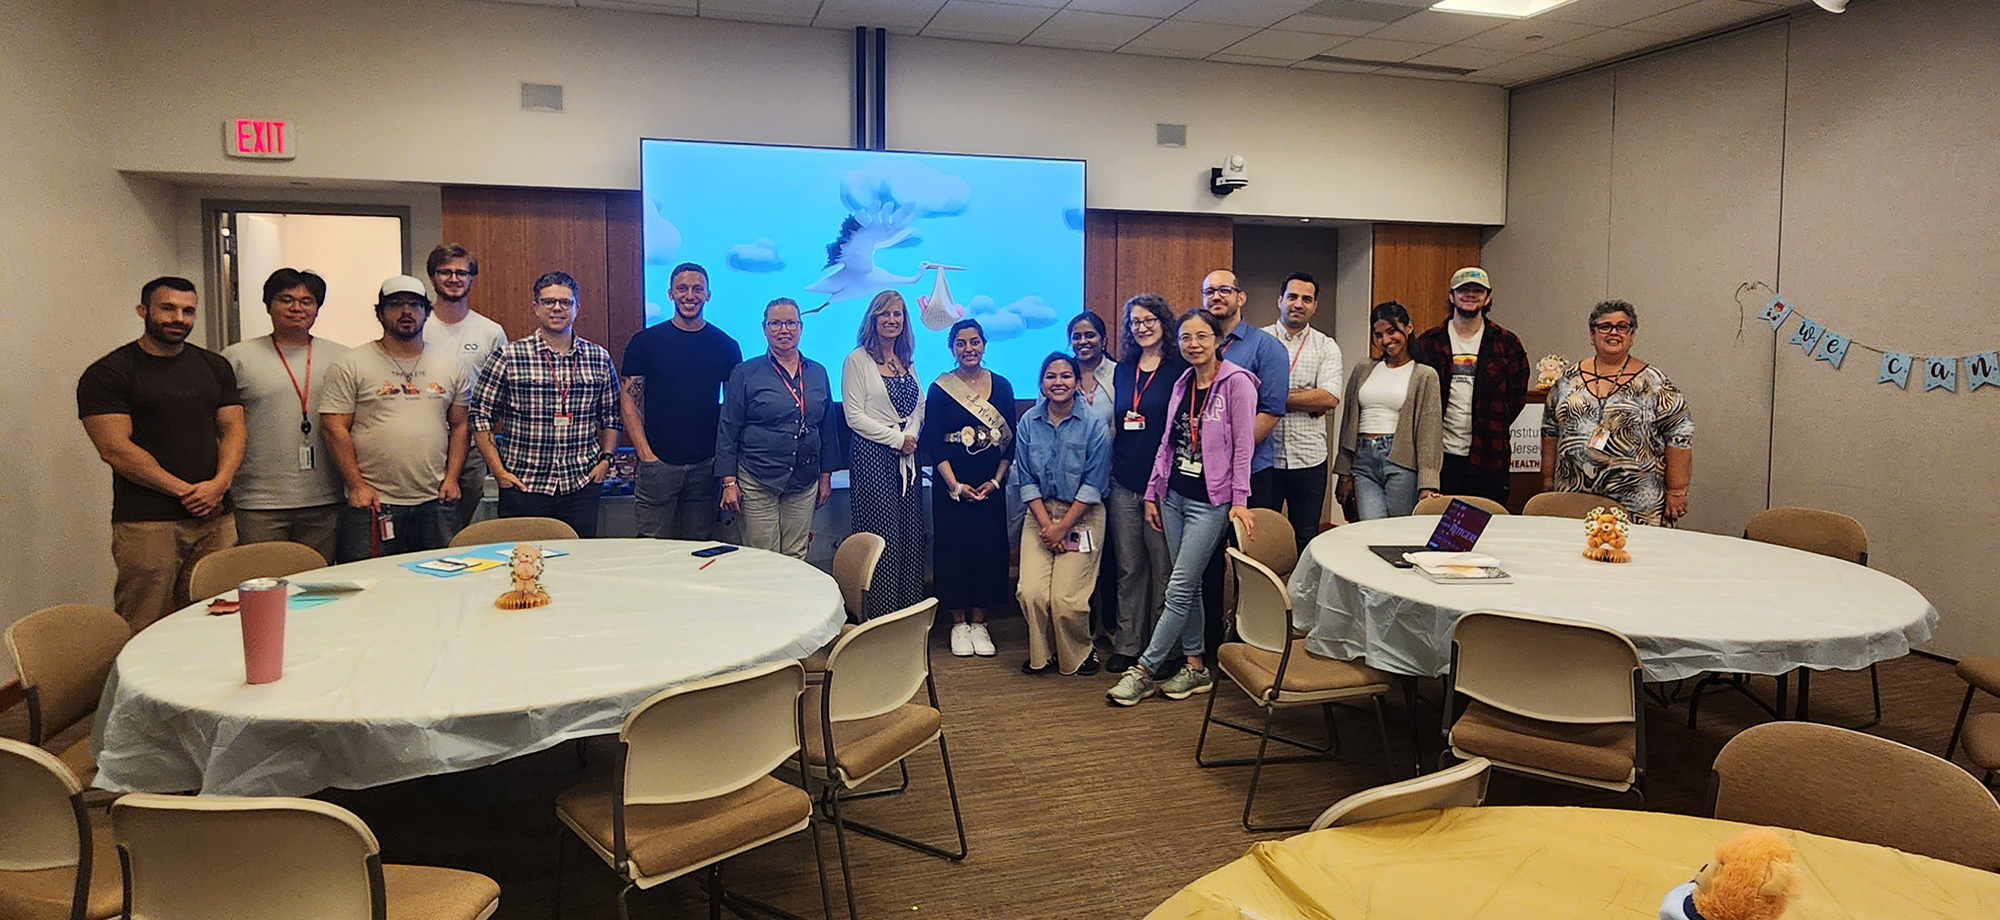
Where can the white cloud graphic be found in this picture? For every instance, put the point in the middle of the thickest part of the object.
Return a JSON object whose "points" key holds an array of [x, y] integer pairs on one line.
{"points": [[1010, 321], [904, 184], [761, 256]]}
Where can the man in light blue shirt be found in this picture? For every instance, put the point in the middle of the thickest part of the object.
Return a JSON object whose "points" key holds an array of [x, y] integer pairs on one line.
{"points": [[1265, 357]]}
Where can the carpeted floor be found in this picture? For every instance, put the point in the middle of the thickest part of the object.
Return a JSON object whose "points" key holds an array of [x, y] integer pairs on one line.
{"points": [[1072, 807]]}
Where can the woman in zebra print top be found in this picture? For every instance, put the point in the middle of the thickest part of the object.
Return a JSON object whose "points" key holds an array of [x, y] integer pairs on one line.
{"points": [[1616, 426]]}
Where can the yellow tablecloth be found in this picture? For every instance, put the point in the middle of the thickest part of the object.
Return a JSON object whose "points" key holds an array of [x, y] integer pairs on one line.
{"points": [[1555, 863]]}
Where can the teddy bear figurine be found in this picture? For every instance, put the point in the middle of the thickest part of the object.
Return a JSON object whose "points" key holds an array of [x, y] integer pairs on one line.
{"points": [[1750, 878], [1604, 531], [525, 564]]}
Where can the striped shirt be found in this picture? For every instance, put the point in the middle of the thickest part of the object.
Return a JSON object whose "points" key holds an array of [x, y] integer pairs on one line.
{"points": [[553, 408], [1300, 438]]}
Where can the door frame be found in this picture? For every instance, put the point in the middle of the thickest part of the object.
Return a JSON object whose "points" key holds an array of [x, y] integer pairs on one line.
{"points": [[219, 262]]}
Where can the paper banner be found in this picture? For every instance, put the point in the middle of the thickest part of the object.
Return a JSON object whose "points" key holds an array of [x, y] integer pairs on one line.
{"points": [[1895, 369], [1982, 370], [1806, 335], [1775, 312], [1833, 350], [1941, 374]]}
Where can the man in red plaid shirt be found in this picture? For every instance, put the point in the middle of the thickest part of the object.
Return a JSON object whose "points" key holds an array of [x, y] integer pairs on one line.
{"points": [[1485, 374]]}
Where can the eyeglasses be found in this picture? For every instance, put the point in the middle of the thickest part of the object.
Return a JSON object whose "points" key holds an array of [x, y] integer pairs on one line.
{"points": [[286, 300], [781, 325], [1224, 290], [411, 306], [1144, 322], [1620, 328], [452, 273], [1196, 338], [555, 303]]}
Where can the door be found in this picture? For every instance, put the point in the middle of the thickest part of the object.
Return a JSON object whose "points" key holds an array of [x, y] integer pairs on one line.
{"points": [[355, 248]]}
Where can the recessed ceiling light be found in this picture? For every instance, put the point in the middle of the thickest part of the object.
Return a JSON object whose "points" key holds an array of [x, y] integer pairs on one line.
{"points": [[1510, 9]]}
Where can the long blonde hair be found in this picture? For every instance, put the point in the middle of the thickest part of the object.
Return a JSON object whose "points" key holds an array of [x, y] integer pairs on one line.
{"points": [[905, 345]]}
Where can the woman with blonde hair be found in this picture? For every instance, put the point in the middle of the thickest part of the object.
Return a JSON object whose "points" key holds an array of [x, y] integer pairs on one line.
{"points": [[885, 410]]}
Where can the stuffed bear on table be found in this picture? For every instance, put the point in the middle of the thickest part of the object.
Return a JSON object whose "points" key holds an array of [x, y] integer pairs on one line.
{"points": [[1750, 878]]}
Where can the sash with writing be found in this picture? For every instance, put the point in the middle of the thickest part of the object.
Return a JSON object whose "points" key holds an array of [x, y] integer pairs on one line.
{"points": [[993, 430]]}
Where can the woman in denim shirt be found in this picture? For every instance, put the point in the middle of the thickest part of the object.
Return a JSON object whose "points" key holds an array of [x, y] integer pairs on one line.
{"points": [[1063, 463]]}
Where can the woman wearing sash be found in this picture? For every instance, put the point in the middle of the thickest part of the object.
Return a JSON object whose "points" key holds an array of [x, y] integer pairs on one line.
{"points": [[1144, 377], [968, 440], [885, 410]]}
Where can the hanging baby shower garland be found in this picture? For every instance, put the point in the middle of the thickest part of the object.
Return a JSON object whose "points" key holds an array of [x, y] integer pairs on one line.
{"points": [[1938, 372]]}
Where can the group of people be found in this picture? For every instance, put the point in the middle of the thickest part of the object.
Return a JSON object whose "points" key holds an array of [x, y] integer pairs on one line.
{"points": [[1153, 455]]}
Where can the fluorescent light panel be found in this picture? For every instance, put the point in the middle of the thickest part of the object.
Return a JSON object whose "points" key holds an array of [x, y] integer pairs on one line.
{"points": [[1507, 9]]}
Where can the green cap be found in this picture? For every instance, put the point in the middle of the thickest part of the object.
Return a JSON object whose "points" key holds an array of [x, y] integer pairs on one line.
{"points": [[1465, 276]]}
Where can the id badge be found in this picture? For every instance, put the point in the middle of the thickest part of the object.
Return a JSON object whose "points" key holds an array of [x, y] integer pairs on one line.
{"points": [[305, 456], [1600, 438], [388, 527], [1134, 422], [562, 420], [1190, 467]]}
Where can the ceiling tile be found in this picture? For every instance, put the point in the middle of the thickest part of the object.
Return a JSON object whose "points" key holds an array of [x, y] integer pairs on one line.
{"points": [[1608, 44], [1379, 49], [1288, 46], [1519, 35], [1158, 9], [782, 12], [1524, 68], [672, 7], [1335, 68], [1090, 31], [1199, 39], [985, 21], [900, 16], [1702, 16], [1258, 13], [1464, 56], [1610, 12], [1328, 25], [1437, 28], [1227, 58]]}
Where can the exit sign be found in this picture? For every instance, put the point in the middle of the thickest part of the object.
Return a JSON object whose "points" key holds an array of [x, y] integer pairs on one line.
{"points": [[259, 139]]}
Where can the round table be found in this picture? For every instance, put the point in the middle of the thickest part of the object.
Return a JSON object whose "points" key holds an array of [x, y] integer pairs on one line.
{"points": [[1689, 601], [420, 675], [1606, 864]]}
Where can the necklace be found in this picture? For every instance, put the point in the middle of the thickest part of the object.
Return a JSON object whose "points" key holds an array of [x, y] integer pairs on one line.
{"points": [[1618, 378], [407, 373]]}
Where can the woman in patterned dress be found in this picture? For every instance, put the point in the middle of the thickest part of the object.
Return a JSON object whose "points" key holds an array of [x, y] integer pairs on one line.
{"points": [[1616, 426], [885, 410]]}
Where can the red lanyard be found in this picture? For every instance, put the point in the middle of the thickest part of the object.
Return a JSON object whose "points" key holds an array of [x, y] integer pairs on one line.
{"points": [[305, 411], [1194, 417], [1296, 357], [561, 381], [1139, 386], [798, 395]]}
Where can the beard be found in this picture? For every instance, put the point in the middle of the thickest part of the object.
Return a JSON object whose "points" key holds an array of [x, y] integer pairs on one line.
{"points": [[161, 332]]}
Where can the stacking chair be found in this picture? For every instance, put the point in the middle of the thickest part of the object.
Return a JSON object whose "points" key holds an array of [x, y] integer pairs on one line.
{"points": [[694, 787], [1981, 732], [1567, 504], [1548, 698], [513, 530], [201, 857], [1274, 670], [224, 569], [55, 864], [64, 655], [853, 570], [870, 720], [1272, 543], [1437, 503], [1462, 786], [1841, 783]]}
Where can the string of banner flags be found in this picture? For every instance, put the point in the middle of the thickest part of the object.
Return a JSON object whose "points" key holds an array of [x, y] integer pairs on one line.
{"points": [[1938, 372]]}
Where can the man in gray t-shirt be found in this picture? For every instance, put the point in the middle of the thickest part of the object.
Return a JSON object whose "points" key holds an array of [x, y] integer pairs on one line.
{"points": [[287, 488], [455, 328], [396, 428]]}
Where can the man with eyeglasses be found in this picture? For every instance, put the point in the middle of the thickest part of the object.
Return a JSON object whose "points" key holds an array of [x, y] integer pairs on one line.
{"points": [[775, 412], [1298, 470], [395, 422], [671, 403], [1485, 371], [555, 395], [455, 329], [1261, 354]]}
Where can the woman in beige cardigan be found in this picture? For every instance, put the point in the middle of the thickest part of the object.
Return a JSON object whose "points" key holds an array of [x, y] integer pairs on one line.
{"points": [[1392, 429]]}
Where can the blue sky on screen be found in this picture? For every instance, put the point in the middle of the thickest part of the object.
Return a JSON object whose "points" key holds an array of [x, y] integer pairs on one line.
{"points": [[761, 220]]}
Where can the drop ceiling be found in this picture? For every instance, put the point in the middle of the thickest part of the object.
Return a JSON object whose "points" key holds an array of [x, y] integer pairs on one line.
{"points": [[1398, 37]]}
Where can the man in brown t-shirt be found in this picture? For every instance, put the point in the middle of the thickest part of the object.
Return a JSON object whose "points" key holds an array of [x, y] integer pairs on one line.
{"points": [[166, 417]]}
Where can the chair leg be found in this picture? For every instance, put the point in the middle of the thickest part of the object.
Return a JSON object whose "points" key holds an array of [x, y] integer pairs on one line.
{"points": [[624, 909], [555, 912], [902, 765], [1327, 751], [1382, 724], [1964, 709], [715, 892], [1256, 773], [830, 802], [1416, 724], [958, 818]]}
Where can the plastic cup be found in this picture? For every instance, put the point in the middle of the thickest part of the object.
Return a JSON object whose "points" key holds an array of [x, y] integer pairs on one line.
{"points": [[263, 616]]}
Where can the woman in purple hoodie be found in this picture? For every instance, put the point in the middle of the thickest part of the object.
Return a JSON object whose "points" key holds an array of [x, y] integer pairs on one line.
{"points": [[1200, 482]]}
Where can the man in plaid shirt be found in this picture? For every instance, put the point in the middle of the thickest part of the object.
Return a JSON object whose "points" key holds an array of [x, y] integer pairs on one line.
{"points": [[1485, 374], [556, 396]]}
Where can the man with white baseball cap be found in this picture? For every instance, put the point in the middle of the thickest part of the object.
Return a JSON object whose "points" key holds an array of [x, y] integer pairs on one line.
{"points": [[1485, 372], [396, 430]]}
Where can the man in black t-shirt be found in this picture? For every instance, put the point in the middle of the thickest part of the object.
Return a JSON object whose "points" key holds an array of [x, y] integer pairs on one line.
{"points": [[166, 417], [671, 401]]}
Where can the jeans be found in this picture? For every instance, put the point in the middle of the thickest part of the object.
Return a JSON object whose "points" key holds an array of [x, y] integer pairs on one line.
{"points": [[1304, 493], [776, 520], [578, 509], [471, 487], [430, 525], [676, 501], [1194, 529], [1381, 489], [1143, 566], [1459, 477]]}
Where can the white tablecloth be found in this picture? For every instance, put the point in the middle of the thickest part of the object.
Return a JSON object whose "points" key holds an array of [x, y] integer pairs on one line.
{"points": [[1691, 602], [421, 675]]}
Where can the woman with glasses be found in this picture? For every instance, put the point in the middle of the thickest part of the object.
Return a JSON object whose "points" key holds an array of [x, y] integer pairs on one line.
{"points": [[968, 441], [1087, 339], [1616, 426], [767, 448], [1142, 382], [1392, 425], [885, 410]]}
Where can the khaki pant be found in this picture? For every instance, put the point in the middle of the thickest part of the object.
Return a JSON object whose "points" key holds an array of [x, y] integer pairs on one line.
{"points": [[154, 558], [778, 521], [1055, 591], [317, 527]]}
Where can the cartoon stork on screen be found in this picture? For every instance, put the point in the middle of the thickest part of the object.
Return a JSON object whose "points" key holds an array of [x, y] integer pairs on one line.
{"points": [[882, 200]]}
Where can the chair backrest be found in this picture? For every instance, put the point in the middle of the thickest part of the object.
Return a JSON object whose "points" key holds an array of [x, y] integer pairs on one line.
{"points": [[224, 569], [1567, 504], [878, 666], [41, 822], [513, 530], [712, 737], [1462, 786], [1271, 542], [216, 856], [854, 568], [1827, 533], [63, 655], [1840, 783], [1263, 609], [1437, 503], [1545, 668]]}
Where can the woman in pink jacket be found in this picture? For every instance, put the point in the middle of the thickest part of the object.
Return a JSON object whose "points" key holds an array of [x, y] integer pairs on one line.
{"points": [[1200, 482]]}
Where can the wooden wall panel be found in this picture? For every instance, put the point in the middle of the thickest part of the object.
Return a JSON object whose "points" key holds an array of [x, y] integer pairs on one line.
{"points": [[624, 272], [1413, 266], [1167, 254], [1100, 269], [519, 234]]}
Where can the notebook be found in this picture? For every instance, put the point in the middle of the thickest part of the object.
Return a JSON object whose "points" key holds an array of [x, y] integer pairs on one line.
{"points": [[1457, 531]]}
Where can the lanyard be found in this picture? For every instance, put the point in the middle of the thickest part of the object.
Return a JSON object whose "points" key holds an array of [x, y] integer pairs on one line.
{"points": [[305, 413], [561, 381], [1296, 357], [799, 394], [1194, 416], [1139, 385]]}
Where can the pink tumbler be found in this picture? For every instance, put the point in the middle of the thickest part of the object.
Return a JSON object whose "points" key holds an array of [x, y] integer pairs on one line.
{"points": [[263, 616]]}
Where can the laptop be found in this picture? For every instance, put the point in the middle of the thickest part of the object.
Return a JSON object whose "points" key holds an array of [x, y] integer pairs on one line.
{"points": [[1457, 531]]}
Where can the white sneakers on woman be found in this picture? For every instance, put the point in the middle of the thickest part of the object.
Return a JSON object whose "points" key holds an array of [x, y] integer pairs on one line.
{"points": [[969, 639]]}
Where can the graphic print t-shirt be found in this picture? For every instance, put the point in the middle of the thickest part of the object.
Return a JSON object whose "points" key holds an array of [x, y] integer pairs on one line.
{"points": [[1458, 402], [401, 431], [1195, 487]]}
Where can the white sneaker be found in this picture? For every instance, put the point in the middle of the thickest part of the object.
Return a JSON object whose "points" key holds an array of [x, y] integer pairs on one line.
{"points": [[961, 640], [982, 641]]}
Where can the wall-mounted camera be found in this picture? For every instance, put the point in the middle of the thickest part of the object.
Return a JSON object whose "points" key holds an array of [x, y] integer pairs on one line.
{"points": [[1233, 174]]}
